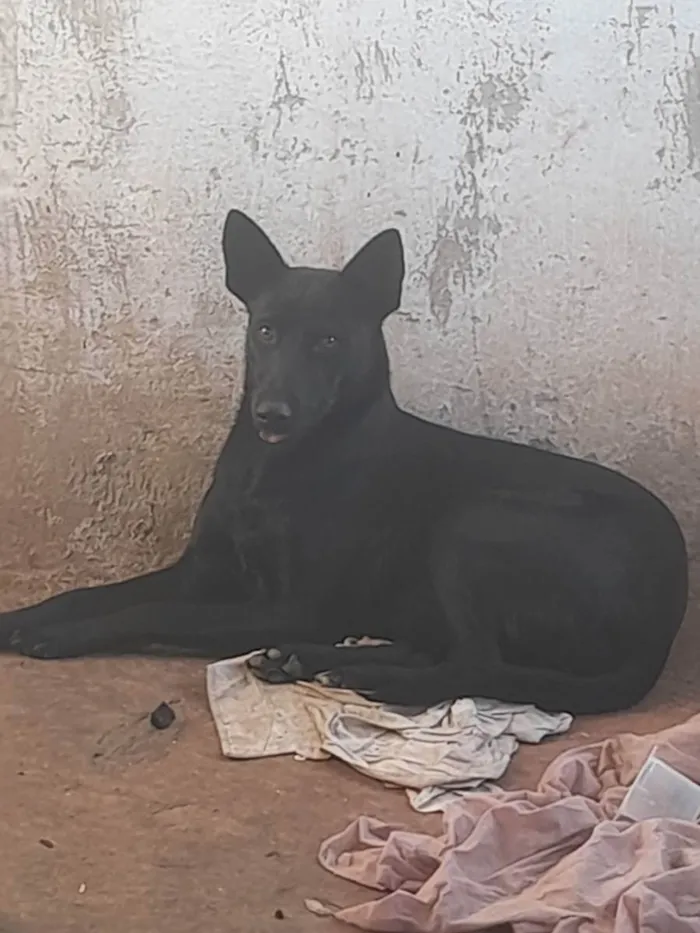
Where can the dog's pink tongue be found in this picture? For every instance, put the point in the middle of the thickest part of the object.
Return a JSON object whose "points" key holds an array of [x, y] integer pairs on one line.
{"points": [[271, 438]]}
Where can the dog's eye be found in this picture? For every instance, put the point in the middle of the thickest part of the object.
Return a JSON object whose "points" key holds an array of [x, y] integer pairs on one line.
{"points": [[328, 342], [266, 333]]}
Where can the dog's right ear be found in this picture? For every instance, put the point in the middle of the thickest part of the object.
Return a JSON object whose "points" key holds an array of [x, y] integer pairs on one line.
{"points": [[379, 269], [253, 262]]}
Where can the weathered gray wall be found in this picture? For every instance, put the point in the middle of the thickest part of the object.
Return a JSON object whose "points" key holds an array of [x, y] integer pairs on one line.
{"points": [[542, 158]]}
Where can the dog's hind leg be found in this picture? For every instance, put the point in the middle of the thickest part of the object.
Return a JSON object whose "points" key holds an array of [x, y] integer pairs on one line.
{"points": [[549, 690], [473, 666]]}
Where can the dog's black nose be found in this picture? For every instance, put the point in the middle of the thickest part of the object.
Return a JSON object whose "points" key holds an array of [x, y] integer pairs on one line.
{"points": [[274, 415]]}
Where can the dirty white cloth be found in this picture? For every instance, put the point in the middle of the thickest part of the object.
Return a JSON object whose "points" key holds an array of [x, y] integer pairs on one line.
{"points": [[437, 754]]}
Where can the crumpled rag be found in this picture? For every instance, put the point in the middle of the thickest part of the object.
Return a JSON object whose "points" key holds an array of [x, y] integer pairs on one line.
{"points": [[437, 754]]}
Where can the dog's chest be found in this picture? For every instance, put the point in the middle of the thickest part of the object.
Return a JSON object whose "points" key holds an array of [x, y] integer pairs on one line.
{"points": [[261, 545], [296, 542], [312, 530], [347, 530]]}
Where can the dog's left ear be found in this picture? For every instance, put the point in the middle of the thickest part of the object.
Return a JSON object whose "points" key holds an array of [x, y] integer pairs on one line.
{"points": [[253, 262], [378, 270]]}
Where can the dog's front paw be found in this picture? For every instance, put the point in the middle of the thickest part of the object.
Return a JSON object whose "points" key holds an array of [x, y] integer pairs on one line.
{"points": [[38, 646], [45, 643], [358, 680], [277, 666]]}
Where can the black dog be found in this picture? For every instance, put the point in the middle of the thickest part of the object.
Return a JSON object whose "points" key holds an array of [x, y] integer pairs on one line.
{"points": [[495, 569]]}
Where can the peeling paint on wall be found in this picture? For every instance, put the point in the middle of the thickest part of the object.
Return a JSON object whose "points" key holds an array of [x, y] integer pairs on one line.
{"points": [[678, 114], [542, 160], [691, 104]]}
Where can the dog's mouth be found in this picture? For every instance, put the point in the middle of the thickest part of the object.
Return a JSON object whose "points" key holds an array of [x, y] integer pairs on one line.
{"points": [[270, 437]]}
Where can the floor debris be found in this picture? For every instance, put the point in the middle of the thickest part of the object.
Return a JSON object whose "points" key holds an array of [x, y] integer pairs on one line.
{"points": [[162, 716]]}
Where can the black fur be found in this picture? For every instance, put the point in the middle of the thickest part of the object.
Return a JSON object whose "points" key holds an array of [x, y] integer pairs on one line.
{"points": [[495, 569]]}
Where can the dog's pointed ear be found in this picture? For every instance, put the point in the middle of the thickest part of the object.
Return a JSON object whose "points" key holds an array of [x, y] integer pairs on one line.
{"points": [[253, 262], [378, 269]]}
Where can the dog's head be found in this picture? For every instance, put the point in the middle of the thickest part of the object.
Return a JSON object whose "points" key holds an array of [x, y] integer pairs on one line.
{"points": [[314, 344]]}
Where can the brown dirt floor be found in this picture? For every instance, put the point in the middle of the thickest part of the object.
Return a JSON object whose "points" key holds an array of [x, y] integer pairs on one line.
{"points": [[109, 826]]}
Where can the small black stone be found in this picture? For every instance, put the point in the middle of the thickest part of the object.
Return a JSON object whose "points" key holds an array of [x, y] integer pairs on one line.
{"points": [[279, 915], [162, 716]]}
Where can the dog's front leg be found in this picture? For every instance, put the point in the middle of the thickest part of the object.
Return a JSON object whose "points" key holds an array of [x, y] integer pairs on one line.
{"points": [[298, 661], [191, 629], [92, 602]]}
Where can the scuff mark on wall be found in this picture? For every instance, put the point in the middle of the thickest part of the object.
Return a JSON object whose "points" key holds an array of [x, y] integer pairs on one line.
{"points": [[691, 103], [375, 67], [465, 249], [87, 131], [677, 111], [468, 226], [639, 18], [9, 174], [9, 63], [285, 100], [98, 37]]}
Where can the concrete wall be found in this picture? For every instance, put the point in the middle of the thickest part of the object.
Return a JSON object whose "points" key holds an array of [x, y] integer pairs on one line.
{"points": [[542, 159]]}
